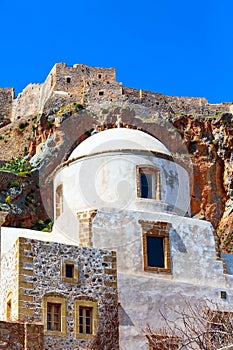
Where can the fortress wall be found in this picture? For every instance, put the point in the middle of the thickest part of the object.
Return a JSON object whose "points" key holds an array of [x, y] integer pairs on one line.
{"points": [[27, 102], [6, 99], [98, 92], [174, 104]]}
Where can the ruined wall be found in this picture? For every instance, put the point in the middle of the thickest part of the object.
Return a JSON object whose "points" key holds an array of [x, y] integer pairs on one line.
{"points": [[6, 99], [166, 105], [27, 102], [99, 92], [14, 335], [40, 272]]}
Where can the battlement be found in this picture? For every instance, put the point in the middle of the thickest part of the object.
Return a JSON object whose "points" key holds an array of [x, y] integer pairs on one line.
{"points": [[93, 85]]}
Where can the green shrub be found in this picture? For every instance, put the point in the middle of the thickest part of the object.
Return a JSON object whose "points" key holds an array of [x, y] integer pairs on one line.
{"points": [[13, 183], [18, 166]]}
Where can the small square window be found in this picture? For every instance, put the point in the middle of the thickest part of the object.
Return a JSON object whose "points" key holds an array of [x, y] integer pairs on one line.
{"points": [[69, 271], [223, 294], [101, 93]]}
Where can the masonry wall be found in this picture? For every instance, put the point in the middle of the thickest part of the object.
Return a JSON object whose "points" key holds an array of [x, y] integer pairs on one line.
{"points": [[39, 268], [6, 98], [174, 104], [14, 335], [27, 102]]}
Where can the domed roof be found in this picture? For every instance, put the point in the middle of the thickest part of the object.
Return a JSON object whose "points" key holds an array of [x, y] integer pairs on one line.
{"points": [[116, 140]]}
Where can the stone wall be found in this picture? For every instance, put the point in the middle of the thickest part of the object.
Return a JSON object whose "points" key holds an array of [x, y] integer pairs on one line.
{"points": [[27, 102], [14, 335], [40, 274], [6, 98], [173, 104]]}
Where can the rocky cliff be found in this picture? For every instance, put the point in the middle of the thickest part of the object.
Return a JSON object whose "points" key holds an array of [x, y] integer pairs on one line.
{"points": [[198, 133]]}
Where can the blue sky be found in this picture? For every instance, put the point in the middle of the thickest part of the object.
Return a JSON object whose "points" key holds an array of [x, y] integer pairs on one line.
{"points": [[178, 47]]}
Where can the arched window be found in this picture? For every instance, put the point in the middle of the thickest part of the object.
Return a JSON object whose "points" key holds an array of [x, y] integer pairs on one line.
{"points": [[148, 182], [59, 201]]}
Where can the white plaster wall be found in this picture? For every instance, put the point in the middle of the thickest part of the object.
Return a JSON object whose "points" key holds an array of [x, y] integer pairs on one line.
{"points": [[192, 245], [196, 272], [110, 181], [9, 235], [142, 299]]}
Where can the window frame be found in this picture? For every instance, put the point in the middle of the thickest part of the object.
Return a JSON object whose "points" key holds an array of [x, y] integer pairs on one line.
{"points": [[53, 299], [75, 277], [52, 312], [158, 230], [85, 304], [156, 186]]}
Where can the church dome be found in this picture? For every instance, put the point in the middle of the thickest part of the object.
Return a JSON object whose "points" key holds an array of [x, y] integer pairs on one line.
{"points": [[118, 139]]}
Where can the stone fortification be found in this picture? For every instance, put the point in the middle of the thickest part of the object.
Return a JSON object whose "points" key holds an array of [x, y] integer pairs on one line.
{"points": [[90, 85], [6, 99]]}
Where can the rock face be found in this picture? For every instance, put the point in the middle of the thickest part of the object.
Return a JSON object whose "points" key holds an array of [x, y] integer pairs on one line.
{"points": [[75, 101]]}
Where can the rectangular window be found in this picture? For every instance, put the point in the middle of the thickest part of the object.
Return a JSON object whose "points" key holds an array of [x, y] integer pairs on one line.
{"points": [[70, 270], [155, 251], [156, 246], [53, 317], [85, 320]]}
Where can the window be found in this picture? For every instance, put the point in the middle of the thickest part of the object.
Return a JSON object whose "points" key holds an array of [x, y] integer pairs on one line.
{"points": [[68, 80], [53, 317], [155, 251], [99, 76], [59, 201], [101, 93], [86, 318], [156, 246], [8, 310], [54, 314], [69, 271], [148, 180]]}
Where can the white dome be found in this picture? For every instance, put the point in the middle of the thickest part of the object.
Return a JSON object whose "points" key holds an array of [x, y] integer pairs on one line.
{"points": [[116, 140]]}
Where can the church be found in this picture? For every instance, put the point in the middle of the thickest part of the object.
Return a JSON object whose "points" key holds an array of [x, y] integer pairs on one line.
{"points": [[123, 247]]}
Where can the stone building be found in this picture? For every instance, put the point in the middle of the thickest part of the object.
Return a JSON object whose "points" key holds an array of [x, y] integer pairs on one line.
{"points": [[123, 244], [67, 293], [135, 200]]}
